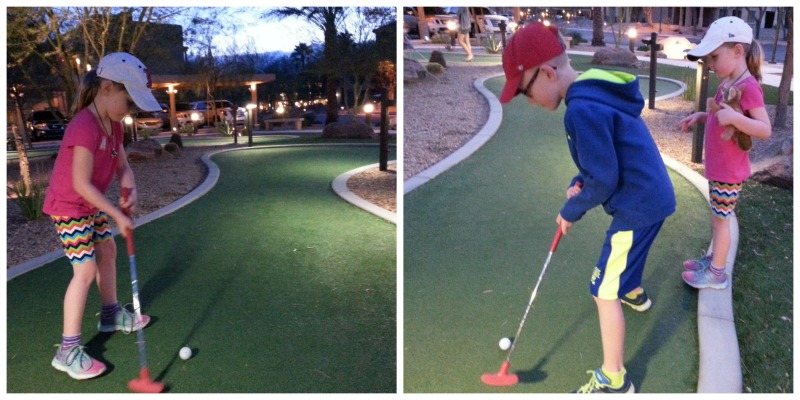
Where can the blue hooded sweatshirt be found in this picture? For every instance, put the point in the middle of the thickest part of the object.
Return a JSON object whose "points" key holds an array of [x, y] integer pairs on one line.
{"points": [[618, 162]]}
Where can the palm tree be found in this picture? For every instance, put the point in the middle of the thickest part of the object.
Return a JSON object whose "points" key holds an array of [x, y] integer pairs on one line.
{"points": [[301, 54], [328, 19], [597, 27]]}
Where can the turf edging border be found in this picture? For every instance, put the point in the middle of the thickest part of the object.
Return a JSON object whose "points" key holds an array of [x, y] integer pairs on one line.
{"points": [[207, 184], [339, 186], [719, 369]]}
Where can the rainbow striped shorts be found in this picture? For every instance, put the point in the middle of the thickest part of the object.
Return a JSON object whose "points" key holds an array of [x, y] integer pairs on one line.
{"points": [[78, 235], [722, 197]]}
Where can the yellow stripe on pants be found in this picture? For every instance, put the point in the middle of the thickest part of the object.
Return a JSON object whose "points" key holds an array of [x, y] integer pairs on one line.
{"points": [[621, 243]]}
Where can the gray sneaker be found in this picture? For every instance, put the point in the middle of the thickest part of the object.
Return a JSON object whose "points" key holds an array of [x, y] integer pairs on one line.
{"points": [[75, 362], [123, 321], [699, 264], [705, 279]]}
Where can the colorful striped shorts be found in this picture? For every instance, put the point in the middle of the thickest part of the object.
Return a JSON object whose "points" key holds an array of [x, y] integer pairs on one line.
{"points": [[722, 197], [78, 235]]}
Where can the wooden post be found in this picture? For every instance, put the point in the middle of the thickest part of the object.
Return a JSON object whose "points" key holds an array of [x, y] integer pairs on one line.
{"points": [[700, 105]]}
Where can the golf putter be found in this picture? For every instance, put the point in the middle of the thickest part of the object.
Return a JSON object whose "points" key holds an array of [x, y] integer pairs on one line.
{"points": [[502, 377], [142, 384]]}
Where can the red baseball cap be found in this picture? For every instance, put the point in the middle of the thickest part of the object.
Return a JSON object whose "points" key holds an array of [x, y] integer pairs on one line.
{"points": [[530, 46]]}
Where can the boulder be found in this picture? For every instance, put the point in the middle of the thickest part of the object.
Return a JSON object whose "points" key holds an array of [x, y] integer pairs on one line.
{"points": [[172, 148], [775, 171], [438, 57], [412, 70], [615, 56], [177, 139], [146, 146], [348, 130]]}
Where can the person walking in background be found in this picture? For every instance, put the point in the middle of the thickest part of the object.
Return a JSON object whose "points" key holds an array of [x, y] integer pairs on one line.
{"points": [[729, 50], [465, 24], [91, 155]]}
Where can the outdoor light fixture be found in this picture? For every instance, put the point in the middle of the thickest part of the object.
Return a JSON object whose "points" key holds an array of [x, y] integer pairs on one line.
{"points": [[368, 109], [451, 25], [128, 120], [631, 38], [280, 109], [88, 67]]}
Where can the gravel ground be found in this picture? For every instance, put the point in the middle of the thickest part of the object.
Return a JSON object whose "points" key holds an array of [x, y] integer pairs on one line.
{"points": [[159, 182], [429, 137]]}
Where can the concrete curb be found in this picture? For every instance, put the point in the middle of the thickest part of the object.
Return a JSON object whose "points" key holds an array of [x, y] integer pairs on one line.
{"points": [[209, 182], [719, 364], [339, 186], [487, 131]]}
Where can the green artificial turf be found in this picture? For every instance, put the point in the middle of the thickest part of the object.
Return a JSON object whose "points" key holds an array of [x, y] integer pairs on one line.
{"points": [[276, 283], [475, 239]]}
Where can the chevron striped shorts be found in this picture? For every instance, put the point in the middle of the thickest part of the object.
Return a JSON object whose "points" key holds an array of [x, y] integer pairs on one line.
{"points": [[722, 197], [78, 235]]}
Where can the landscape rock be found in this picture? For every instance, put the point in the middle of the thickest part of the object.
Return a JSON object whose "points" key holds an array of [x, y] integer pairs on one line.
{"points": [[348, 130], [438, 57], [412, 70], [146, 147], [615, 56]]}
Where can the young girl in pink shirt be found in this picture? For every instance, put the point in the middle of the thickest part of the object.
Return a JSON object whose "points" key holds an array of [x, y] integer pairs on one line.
{"points": [[729, 50], [91, 155]]}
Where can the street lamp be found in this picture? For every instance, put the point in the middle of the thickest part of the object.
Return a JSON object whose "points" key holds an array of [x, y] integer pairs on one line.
{"points": [[250, 113], [368, 109], [129, 122], [631, 38]]}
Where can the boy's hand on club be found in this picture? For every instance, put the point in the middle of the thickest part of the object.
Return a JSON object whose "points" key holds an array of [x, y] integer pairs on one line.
{"points": [[564, 224]]}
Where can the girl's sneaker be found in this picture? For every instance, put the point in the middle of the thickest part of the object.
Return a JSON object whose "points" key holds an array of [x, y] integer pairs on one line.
{"points": [[123, 321], [599, 383], [699, 264], [705, 279], [75, 362]]}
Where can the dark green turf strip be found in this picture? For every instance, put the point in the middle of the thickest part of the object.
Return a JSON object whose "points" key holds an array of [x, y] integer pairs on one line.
{"points": [[278, 285], [475, 240]]}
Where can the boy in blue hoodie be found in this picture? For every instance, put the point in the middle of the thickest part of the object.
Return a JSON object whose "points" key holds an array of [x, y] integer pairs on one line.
{"points": [[619, 167]]}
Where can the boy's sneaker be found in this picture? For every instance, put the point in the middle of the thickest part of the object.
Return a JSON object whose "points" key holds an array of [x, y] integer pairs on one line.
{"points": [[75, 362], [705, 279], [639, 302], [123, 321], [599, 383], [699, 264]]}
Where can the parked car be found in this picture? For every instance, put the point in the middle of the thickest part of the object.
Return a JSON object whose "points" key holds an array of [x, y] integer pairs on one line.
{"points": [[46, 124], [146, 120], [436, 18], [224, 111]]}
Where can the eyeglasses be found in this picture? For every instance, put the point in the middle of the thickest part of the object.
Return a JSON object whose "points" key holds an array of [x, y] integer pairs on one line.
{"points": [[532, 81]]}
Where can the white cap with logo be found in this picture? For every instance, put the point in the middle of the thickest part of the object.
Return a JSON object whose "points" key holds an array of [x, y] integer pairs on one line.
{"points": [[723, 30], [128, 70]]}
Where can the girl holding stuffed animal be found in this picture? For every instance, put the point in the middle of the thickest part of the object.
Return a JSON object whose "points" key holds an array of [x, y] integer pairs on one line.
{"points": [[729, 50]]}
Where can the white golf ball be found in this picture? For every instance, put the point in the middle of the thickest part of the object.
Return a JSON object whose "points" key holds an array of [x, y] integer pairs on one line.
{"points": [[505, 343], [185, 353]]}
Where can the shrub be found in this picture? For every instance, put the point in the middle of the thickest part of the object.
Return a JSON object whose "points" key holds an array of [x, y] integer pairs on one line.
{"points": [[30, 200], [577, 38], [435, 68], [188, 129], [689, 79], [440, 38], [491, 45], [146, 133], [225, 128]]}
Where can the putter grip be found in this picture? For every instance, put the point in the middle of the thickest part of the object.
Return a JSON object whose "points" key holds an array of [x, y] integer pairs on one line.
{"points": [[556, 239], [125, 192]]}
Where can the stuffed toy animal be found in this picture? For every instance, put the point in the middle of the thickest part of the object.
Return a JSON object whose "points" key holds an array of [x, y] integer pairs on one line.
{"points": [[731, 97]]}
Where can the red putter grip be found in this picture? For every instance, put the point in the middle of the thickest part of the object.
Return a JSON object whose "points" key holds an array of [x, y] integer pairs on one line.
{"points": [[556, 239], [125, 192]]}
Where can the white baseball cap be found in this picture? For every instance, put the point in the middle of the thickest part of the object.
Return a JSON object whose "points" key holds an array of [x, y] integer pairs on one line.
{"points": [[128, 70], [723, 30]]}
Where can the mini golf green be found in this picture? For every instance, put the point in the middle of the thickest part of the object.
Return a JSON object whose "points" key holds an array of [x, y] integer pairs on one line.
{"points": [[475, 240], [276, 283]]}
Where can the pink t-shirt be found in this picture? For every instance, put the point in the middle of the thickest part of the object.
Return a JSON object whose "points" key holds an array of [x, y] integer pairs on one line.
{"points": [[724, 160], [85, 131]]}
